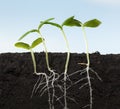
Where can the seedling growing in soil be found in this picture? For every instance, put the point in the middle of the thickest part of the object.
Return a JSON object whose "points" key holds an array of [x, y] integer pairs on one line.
{"points": [[49, 79], [54, 78], [30, 48], [68, 57], [91, 23], [40, 35]]}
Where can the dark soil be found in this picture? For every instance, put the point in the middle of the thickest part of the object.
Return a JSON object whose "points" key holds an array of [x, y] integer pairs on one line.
{"points": [[17, 80]]}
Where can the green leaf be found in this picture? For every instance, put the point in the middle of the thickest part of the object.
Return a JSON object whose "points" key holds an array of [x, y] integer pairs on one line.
{"points": [[36, 42], [43, 22], [22, 45], [31, 31], [71, 22], [92, 23], [54, 24]]}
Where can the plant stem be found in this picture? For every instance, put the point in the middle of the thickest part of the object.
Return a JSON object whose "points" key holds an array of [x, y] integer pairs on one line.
{"points": [[66, 69], [49, 69], [46, 54], [86, 44], [33, 59], [47, 79], [88, 66]]}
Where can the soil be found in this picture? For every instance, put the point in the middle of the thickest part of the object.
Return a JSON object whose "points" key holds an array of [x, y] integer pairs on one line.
{"points": [[17, 80]]}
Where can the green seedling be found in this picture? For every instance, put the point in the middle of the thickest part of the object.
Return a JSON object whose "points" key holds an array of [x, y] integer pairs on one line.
{"points": [[52, 76], [47, 81], [30, 48], [92, 24], [45, 78], [39, 33], [68, 56], [46, 51]]}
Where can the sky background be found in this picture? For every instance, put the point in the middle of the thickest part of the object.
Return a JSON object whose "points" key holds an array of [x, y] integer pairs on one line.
{"points": [[19, 16]]}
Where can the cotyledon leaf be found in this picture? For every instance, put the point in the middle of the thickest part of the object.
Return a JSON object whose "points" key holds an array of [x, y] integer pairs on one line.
{"points": [[92, 23], [22, 45], [43, 22], [54, 24], [36, 42], [71, 22], [31, 31]]}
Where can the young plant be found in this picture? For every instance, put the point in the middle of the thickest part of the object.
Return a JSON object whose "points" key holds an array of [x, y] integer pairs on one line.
{"points": [[52, 76], [30, 47], [39, 33], [91, 23], [67, 59], [46, 51]]}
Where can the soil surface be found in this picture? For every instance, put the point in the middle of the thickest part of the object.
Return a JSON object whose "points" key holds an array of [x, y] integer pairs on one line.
{"points": [[17, 81]]}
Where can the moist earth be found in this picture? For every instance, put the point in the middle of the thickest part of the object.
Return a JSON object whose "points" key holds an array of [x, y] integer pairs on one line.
{"points": [[17, 80]]}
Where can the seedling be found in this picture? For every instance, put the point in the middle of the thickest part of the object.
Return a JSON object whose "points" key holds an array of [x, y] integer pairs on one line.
{"points": [[39, 33], [52, 76], [91, 23], [47, 81], [67, 60], [30, 48], [44, 75]]}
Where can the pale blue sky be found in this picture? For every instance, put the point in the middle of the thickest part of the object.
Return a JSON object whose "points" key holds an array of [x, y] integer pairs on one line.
{"points": [[19, 16]]}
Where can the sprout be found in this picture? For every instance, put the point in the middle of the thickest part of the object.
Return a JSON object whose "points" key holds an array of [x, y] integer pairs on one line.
{"points": [[39, 33], [46, 50], [91, 23], [68, 56], [48, 81], [52, 77], [30, 47]]}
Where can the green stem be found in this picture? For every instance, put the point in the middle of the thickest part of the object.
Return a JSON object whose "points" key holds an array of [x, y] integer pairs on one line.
{"points": [[33, 59], [49, 69], [46, 53], [86, 44], [68, 53], [66, 68], [88, 66]]}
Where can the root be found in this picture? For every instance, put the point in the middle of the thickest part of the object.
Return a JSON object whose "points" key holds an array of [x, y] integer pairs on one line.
{"points": [[88, 83], [46, 83]]}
